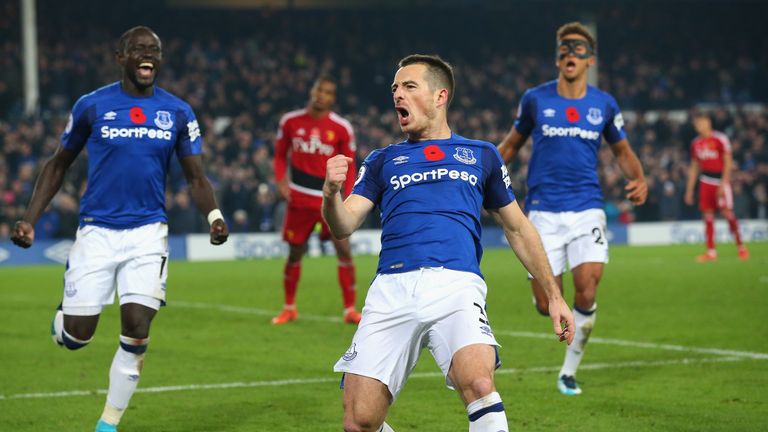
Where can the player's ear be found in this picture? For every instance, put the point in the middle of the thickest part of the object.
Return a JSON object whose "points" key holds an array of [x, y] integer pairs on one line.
{"points": [[442, 97], [591, 61]]}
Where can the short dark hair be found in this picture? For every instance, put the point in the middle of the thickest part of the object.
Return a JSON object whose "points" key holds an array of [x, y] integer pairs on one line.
{"points": [[121, 44], [325, 78], [578, 28], [439, 71], [701, 114]]}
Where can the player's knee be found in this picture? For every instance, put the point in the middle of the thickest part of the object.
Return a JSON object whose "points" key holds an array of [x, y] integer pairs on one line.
{"points": [[136, 320], [74, 332], [481, 386], [136, 331], [358, 424], [584, 303]]}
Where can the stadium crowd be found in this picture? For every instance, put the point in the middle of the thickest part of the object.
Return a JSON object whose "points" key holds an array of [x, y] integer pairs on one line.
{"points": [[240, 80]]}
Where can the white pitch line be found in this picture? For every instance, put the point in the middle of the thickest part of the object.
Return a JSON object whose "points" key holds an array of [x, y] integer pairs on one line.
{"points": [[335, 379], [648, 345], [597, 340]]}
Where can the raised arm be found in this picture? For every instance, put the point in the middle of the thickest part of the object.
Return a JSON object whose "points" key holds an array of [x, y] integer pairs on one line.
{"points": [[637, 188], [511, 145], [343, 217], [202, 195], [525, 241], [48, 183]]}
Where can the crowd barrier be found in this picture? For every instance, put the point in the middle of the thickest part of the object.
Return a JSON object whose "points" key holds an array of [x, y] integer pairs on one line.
{"points": [[196, 247]]}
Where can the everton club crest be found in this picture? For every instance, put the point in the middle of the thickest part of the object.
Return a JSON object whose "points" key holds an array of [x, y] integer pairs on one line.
{"points": [[163, 120], [464, 155]]}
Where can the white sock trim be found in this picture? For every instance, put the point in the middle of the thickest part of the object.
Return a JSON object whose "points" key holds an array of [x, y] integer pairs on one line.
{"points": [[484, 402], [74, 339]]}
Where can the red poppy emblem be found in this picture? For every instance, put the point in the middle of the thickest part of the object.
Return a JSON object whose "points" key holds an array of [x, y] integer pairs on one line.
{"points": [[137, 115], [572, 114], [433, 153]]}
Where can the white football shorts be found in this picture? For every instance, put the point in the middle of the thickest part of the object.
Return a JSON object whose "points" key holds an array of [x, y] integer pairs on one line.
{"points": [[578, 236], [133, 261], [437, 308]]}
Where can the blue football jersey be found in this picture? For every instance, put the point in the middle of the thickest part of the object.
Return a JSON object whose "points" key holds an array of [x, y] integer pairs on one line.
{"points": [[430, 194], [562, 172], [130, 143]]}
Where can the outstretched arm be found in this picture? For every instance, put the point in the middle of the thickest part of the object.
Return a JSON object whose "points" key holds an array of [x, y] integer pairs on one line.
{"points": [[525, 241], [511, 145], [343, 217], [202, 194], [637, 188], [48, 183]]}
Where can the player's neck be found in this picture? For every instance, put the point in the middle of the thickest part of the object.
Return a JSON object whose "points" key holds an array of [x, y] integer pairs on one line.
{"points": [[575, 89], [132, 90], [437, 132], [316, 113]]}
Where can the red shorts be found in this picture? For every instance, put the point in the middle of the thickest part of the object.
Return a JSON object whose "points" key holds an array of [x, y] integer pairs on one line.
{"points": [[708, 200], [299, 224]]}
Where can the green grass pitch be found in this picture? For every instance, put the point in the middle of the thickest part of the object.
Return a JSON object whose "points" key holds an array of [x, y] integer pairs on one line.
{"points": [[678, 346]]}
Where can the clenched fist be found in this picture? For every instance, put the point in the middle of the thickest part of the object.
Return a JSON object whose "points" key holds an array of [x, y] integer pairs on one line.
{"points": [[336, 174]]}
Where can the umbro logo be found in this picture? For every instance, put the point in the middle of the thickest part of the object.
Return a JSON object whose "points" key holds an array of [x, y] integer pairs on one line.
{"points": [[549, 113], [110, 115], [400, 160]]}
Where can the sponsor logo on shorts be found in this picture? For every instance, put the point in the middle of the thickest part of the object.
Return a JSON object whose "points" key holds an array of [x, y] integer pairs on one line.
{"points": [[350, 354]]}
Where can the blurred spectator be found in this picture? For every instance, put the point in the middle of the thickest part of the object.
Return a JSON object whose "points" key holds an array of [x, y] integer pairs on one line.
{"points": [[239, 80]]}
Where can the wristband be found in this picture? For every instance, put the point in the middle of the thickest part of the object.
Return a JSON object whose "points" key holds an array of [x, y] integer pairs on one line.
{"points": [[213, 215]]}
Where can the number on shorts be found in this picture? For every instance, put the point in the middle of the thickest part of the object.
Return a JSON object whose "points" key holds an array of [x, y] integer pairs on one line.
{"points": [[598, 233], [483, 319], [162, 264]]}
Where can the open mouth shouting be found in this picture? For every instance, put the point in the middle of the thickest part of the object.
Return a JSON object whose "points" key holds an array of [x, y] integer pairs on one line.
{"points": [[145, 71], [403, 115]]}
